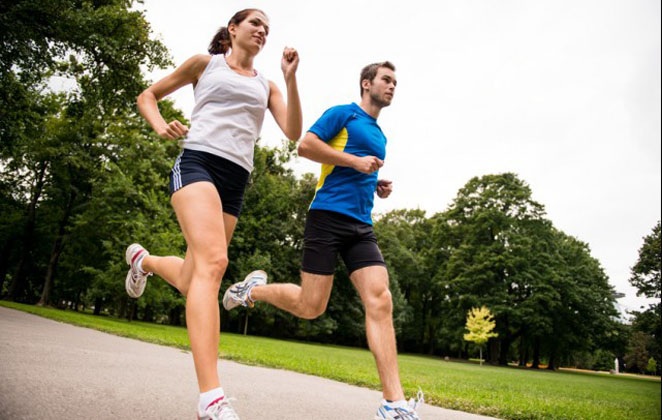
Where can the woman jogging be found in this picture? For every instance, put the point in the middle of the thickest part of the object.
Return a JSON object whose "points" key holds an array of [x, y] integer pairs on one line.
{"points": [[208, 179]]}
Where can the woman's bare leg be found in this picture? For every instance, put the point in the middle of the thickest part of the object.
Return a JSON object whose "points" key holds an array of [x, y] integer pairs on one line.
{"points": [[169, 269], [207, 231], [172, 268]]}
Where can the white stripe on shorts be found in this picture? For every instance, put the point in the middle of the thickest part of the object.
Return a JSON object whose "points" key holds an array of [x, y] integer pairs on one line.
{"points": [[177, 174]]}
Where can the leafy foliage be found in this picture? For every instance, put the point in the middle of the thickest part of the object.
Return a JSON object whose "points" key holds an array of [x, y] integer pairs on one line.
{"points": [[480, 324]]}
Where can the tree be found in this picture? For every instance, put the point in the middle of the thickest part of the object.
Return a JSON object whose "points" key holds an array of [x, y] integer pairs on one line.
{"points": [[480, 324], [646, 278], [494, 255], [583, 312], [128, 202], [652, 366], [97, 46], [646, 272], [636, 359], [53, 146], [494, 247]]}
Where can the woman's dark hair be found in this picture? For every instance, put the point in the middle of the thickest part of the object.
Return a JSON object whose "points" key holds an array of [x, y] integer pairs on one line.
{"points": [[370, 71], [222, 42]]}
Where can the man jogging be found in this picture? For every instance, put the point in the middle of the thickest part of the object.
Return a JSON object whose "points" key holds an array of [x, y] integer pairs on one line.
{"points": [[351, 147]]}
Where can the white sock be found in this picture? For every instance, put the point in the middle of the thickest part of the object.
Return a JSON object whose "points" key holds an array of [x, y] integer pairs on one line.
{"points": [[398, 403], [208, 397], [139, 262]]}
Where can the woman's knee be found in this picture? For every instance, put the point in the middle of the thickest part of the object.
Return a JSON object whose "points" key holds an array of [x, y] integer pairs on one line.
{"points": [[210, 267], [217, 266]]}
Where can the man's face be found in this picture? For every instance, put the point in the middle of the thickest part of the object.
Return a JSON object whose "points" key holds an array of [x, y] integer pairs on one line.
{"points": [[382, 87]]}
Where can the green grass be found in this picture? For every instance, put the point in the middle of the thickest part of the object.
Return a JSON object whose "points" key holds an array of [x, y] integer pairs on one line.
{"points": [[508, 393]]}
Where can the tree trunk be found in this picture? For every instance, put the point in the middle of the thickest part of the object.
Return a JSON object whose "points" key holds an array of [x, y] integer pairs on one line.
{"points": [[132, 311], [425, 337], [507, 341], [77, 302], [505, 347], [504, 341], [58, 246], [523, 352], [431, 338], [97, 306], [536, 354], [493, 351], [148, 314], [174, 317], [4, 262], [17, 285], [552, 360]]}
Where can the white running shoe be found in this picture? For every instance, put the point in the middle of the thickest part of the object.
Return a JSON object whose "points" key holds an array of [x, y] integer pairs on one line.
{"points": [[219, 409], [238, 293], [403, 411], [136, 279]]}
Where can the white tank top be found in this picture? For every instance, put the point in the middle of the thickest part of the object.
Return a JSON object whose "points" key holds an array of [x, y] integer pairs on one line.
{"points": [[228, 114]]}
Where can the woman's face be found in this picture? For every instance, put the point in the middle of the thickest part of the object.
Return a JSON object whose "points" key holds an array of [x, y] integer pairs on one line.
{"points": [[251, 34]]}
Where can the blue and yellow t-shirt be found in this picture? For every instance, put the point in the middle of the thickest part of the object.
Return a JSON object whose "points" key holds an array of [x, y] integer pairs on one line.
{"points": [[350, 129]]}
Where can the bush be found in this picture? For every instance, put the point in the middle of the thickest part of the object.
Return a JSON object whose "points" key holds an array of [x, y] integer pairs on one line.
{"points": [[652, 366], [603, 360]]}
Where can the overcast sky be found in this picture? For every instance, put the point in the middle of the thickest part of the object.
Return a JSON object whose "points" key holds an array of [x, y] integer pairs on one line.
{"points": [[564, 93]]}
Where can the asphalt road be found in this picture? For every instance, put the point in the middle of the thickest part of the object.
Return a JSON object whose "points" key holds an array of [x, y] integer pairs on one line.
{"points": [[51, 371]]}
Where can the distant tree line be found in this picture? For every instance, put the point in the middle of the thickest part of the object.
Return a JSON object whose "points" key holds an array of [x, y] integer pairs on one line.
{"points": [[82, 176]]}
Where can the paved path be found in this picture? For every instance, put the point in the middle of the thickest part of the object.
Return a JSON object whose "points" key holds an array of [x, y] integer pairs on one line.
{"points": [[51, 371]]}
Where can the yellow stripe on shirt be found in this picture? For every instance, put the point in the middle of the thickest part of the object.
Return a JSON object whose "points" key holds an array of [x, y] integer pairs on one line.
{"points": [[338, 143]]}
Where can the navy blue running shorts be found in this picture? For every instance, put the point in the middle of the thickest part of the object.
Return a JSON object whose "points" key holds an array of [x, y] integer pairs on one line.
{"points": [[328, 234], [229, 178]]}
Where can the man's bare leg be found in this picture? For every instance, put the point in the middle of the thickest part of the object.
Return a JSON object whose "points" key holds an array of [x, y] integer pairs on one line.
{"points": [[307, 301], [372, 285]]}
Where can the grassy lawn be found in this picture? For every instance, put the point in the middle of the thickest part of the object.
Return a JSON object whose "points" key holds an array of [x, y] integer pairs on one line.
{"points": [[508, 393]]}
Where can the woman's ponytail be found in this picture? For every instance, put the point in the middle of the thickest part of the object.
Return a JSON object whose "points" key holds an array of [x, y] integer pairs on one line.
{"points": [[221, 42]]}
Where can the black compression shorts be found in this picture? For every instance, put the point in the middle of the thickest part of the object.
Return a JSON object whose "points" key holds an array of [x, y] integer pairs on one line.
{"points": [[328, 233]]}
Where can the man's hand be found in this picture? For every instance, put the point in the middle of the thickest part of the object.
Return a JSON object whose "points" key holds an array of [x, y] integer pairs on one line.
{"points": [[384, 188], [367, 164]]}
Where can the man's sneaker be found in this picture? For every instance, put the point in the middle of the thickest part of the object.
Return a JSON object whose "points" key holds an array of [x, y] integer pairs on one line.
{"points": [[402, 411], [239, 293], [136, 279], [219, 409]]}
